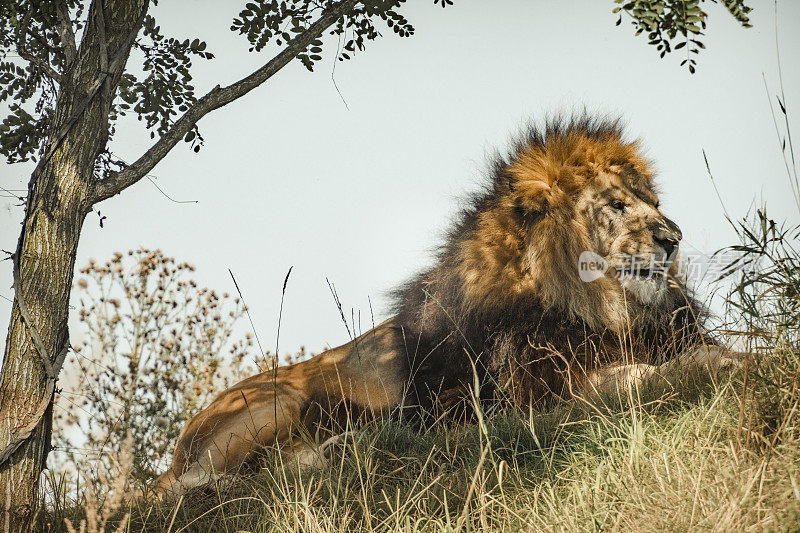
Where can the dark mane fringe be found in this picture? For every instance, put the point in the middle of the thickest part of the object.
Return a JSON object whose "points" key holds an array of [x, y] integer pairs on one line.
{"points": [[520, 349], [590, 126]]}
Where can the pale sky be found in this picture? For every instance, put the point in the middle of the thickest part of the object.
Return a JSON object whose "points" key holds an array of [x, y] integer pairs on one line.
{"points": [[290, 175]]}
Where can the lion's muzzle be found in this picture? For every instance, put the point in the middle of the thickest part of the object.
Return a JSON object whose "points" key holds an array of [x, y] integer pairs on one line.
{"points": [[667, 235]]}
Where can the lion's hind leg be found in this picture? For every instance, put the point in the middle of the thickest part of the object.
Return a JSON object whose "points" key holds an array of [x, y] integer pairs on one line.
{"points": [[199, 473], [213, 460], [229, 433]]}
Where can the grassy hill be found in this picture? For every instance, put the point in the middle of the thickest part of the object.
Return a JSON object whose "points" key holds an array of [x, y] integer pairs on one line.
{"points": [[677, 460]]}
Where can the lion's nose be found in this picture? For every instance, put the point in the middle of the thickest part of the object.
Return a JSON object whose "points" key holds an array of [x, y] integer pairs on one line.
{"points": [[667, 234]]}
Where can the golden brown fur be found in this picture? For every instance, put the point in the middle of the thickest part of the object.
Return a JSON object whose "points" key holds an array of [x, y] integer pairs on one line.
{"points": [[504, 300], [292, 407]]}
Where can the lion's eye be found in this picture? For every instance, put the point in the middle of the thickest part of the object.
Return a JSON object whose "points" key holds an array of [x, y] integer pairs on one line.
{"points": [[618, 205]]}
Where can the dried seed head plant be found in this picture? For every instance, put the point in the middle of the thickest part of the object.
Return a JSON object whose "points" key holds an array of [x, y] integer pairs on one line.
{"points": [[114, 483], [156, 348]]}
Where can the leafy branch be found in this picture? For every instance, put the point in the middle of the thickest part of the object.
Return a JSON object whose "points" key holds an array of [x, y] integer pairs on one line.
{"points": [[675, 24]]}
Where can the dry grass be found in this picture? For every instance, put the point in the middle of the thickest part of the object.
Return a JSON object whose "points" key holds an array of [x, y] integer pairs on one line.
{"points": [[96, 516], [663, 463]]}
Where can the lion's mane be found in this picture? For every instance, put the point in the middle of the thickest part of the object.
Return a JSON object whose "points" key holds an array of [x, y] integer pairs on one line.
{"points": [[503, 297]]}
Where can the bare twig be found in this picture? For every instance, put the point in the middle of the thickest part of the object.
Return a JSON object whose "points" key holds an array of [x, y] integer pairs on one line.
{"points": [[333, 73], [22, 34], [168, 197], [214, 99]]}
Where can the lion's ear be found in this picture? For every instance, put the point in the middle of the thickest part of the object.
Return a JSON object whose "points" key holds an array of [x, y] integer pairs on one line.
{"points": [[534, 196], [535, 183]]}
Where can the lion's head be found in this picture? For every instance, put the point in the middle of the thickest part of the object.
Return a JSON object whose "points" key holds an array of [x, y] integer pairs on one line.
{"points": [[574, 196]]}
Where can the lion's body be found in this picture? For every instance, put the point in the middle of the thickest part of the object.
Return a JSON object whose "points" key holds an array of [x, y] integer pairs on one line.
{"points": [[503, 301], [315, 398]]}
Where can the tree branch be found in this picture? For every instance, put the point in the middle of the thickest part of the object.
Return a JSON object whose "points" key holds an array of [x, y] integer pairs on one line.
{"points": [[22, 33], [100, 24], [214, 99], [65, 33]]}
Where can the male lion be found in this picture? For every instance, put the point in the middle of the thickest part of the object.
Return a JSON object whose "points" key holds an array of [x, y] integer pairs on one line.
{"points": [[505, 301]]}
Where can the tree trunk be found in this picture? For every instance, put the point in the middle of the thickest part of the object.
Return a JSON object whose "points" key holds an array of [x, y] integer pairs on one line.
{"points": [[59, 197], [62, 190]]}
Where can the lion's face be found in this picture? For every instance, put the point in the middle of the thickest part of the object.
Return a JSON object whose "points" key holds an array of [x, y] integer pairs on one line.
{"points": [[572, 191], [626, 228]]}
